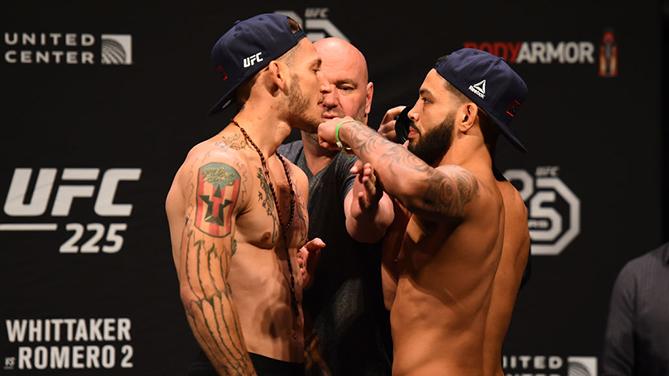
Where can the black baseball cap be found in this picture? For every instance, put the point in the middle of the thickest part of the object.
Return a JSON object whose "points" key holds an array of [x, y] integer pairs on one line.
{"points": [[248, 47], [488, 81]]}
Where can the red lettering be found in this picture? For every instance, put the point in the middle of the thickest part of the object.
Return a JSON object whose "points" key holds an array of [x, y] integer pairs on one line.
{"points": [[500, 50], [487, 47], [514, 48]]}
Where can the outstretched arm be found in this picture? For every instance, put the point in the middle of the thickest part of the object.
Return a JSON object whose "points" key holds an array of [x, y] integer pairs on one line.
{"points": [[426, 191], [203, 263], [368, 209]]}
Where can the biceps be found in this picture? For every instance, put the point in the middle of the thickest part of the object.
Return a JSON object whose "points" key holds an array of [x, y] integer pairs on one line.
{"points": [[207, 241], [216, 199], [446, 193]]}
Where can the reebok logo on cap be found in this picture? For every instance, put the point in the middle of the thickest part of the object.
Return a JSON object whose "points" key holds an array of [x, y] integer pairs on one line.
{"points": [[478, 89]]}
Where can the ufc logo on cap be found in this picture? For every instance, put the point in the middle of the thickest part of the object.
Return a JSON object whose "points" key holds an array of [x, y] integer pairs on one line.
{"points": [[249, 61]]}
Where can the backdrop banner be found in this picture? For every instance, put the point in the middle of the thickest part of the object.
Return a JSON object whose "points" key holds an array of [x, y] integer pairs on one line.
{"points": [[101, 103]]}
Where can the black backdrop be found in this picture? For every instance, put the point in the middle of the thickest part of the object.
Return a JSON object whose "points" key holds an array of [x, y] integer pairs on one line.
{"points": [[89, 151]]}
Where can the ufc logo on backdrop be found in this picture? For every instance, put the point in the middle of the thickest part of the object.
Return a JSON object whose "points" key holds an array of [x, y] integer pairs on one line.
{"points": [[16, 206], [316, 23], [99, 190], [554, 210]]}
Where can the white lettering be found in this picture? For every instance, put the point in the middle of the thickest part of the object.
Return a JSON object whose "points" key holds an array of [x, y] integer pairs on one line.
{"points": [[11, 39], [67, 193], [40, 357], [70, 39], [108, 356], [104, 205], [87, 40], [16, 330], [92, 355], [60, 357], [525, 55], [26, 57], [25, 355], [539, 51], [87, 57], [82, 334], [108, 329], [124, 329], [587, 51], [10, 56], [34, 330], [77, 356]]}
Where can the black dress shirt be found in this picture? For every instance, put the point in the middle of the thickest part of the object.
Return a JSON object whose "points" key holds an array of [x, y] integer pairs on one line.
{"points": [[637, 332]]}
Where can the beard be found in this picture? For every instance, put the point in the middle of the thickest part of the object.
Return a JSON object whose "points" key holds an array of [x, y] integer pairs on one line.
{"points": [[432, 145], [298, 108]]}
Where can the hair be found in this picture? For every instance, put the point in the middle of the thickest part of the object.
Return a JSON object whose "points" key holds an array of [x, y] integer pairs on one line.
{"points": [[488, 127], [458, 94], [288, 56], [243, 92]]}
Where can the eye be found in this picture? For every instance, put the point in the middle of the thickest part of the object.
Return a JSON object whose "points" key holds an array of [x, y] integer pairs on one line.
{"points": [[426, 100], [346, 88]]}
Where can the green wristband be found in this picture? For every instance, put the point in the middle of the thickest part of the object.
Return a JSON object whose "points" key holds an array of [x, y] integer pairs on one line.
{"points": [[339, 143]]}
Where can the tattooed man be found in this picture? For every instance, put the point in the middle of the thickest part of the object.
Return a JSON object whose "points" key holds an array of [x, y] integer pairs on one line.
{"points": [[442, 254], [237, 210]]}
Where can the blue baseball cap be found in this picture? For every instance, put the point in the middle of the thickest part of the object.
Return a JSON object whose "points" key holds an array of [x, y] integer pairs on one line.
{"points": [[489, 82], [248, 47]]}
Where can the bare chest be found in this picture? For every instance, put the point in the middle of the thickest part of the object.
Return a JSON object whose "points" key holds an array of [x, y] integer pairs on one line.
{"points": [[275, 211]]}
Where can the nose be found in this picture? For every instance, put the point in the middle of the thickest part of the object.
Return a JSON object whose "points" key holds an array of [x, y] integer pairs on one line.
{"points": [[325, 85], [413, 113], [330, 98]]}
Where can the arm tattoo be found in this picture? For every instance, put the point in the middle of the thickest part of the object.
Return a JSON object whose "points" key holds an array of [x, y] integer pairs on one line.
{"points": [[206, 251], [448, 193], [420, 187], [210, 309], [217, 192]]}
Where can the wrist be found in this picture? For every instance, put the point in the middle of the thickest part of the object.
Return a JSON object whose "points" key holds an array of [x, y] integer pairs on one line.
{"points": [[342, 131]]}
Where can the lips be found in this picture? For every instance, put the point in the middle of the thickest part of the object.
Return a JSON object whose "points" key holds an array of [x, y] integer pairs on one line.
{"points": [[330, 115]]}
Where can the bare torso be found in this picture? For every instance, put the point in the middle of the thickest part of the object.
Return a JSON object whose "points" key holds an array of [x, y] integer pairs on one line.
{"points": [[257, 274], [443, 288], [508, 277]]}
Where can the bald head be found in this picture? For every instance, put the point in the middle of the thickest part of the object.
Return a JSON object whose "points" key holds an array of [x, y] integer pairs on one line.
{"points": [[345, 68], [342, 55]]}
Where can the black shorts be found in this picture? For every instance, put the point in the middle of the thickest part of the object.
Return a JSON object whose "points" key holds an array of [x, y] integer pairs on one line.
{"points": [[263, 365]]}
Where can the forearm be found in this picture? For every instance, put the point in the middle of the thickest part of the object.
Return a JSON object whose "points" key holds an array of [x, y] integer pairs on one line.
{"points": [[368, 226], [421, 188], [209, 307]]}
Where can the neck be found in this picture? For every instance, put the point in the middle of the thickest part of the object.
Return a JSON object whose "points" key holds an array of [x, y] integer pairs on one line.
{"points": [[468, 153], [317, 157], [264, 127]]}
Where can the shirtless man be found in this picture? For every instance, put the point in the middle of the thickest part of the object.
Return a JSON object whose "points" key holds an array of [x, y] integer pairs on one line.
{"points": [[237, 211], [452, 241]]}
